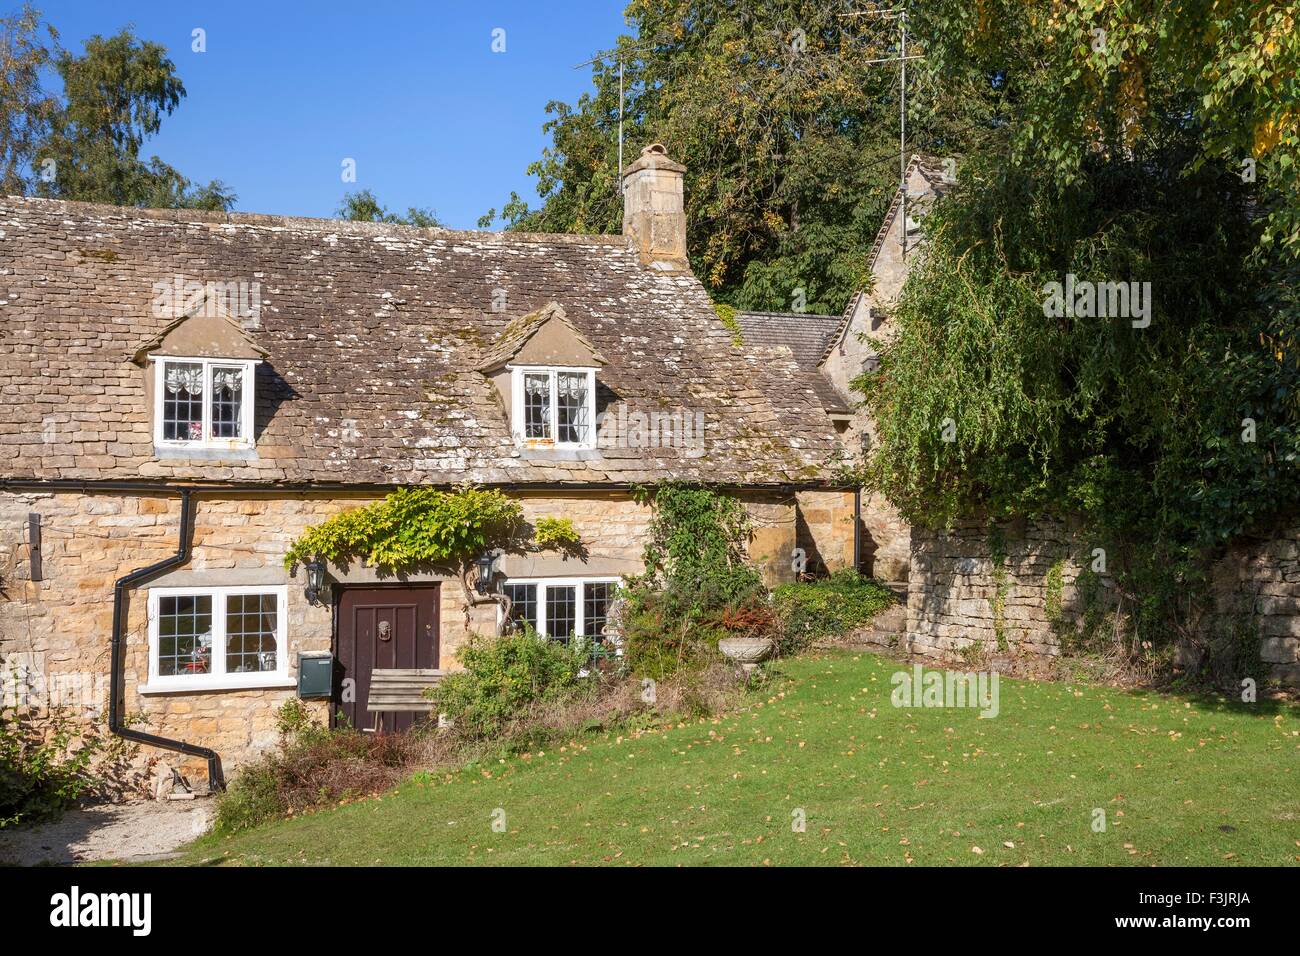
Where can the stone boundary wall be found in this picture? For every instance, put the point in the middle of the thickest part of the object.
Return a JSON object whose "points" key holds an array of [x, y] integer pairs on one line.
{"points": [[1260, 578], [958, 595], [1018, 588]]}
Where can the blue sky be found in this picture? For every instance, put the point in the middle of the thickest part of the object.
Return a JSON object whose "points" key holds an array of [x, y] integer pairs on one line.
{"points": [[412, 91]]}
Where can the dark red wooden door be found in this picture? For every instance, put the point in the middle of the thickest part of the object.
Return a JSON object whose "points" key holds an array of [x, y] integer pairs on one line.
{"points": [[381, 628]]}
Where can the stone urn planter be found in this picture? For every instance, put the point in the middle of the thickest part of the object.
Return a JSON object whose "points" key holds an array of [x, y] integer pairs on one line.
{"points": [[746, 651]]}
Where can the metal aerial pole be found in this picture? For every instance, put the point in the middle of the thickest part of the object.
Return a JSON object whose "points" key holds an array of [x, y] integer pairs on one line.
{"points": [[902, 126], [901, 16]]}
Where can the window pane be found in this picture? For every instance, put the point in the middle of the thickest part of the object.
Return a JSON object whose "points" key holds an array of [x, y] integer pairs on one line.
{"points": [[250, 633], [182, 401], [523, 606], [595, 611], [561, 612], [227, 402], [184, 635], [571, 406], [537, 405]]}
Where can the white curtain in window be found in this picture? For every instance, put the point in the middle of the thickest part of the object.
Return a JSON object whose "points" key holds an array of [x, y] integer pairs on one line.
{"points": [[231, 378], [184, 378], [573, 386], [538, 386]]}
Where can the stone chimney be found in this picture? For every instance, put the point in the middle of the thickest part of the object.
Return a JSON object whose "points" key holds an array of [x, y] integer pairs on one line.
{"points": [[654, 214]]}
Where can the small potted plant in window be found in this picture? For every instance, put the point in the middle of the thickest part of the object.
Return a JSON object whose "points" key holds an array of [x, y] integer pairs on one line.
{"points": [[201, 657]]}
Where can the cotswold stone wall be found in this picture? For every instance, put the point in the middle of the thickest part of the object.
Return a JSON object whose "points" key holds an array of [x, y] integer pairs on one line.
{"points": [[59, 628], [1260, 579], [825, 531], [966, 587], [1017, 588]]}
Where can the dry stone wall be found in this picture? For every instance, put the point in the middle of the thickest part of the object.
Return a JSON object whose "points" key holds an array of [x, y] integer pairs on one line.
{"points": [[1018, 586]]}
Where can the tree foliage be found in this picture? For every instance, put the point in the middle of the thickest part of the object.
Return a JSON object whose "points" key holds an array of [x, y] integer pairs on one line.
{"points": [[25, 107], [362, 206], [85, 143], [1079, 80], [789, 138], [1120, 162]]}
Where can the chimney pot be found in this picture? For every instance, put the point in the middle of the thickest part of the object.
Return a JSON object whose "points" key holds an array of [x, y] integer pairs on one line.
{"points": [[654, 212]]}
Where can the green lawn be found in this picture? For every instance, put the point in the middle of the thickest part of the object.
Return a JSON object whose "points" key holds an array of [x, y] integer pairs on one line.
{"points": [[1182, 781]]}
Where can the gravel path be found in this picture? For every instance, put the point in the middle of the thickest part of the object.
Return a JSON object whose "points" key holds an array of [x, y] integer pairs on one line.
{"points": [[138, 831]]}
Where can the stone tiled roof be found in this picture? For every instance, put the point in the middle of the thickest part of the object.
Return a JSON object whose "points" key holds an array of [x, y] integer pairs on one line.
{"points": [[374, 336], [806, 337]]}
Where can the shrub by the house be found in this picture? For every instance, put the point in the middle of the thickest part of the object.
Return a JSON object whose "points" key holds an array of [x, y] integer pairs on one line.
{"points": [[504, 678], [828, 607], [47, 762], [316, 766]]}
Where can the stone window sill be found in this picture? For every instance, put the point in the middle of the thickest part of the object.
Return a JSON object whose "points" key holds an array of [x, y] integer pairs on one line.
{"points": [[200, 686]]}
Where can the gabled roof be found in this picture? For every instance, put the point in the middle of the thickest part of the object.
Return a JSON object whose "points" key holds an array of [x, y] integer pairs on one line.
{"points": [[203, 310], [805, 336], [937, 184], [373, 336], [518, 331]]}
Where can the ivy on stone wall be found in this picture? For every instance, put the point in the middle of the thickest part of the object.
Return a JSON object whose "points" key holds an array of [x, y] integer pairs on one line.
{"points": [[429, 528]]}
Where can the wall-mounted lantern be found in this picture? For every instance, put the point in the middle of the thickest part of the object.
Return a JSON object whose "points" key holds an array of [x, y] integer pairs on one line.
{"points": [[315, 569], [486, 568]]}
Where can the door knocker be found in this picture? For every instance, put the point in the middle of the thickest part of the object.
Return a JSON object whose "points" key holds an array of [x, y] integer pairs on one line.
{"points": [[384, 628]]}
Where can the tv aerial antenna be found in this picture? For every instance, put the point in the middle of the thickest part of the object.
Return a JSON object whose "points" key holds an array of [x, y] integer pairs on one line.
{"points": [[898, 15]]}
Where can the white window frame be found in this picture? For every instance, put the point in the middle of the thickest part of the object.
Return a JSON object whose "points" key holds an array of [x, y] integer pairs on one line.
{"points": [[580, 618], [517, 373], [247, 368], [219, 679]]}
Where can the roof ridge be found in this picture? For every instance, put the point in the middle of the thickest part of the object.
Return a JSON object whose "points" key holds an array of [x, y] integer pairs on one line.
{"points": [[313, 223], [788, 315]]}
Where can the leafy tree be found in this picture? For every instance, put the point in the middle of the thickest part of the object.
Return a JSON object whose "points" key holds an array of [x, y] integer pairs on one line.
{"points": [[85, 145], [789, 138], [25, 107], [115, 96], [362, 206], [1120, 159], [1105, 77]]}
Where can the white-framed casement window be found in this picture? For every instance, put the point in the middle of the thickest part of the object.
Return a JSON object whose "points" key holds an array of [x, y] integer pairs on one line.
{"points": [[203, 402], [562, 607], [218, 638], [554, 407]]}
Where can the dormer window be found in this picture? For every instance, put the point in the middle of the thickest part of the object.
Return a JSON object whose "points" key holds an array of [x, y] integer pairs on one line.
{"points": [[203, 402], [554, 407]]}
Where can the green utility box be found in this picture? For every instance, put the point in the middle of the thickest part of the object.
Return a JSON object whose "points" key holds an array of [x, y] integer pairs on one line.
{"points": [[315, 674]]}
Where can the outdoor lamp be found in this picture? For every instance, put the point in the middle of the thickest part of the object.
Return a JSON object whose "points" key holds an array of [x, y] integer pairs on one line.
{"points": [[315, 569], [484, 583]]}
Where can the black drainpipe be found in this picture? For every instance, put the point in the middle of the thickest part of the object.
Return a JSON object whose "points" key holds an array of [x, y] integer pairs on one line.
{"points": [[857, 530], [216, 781]]}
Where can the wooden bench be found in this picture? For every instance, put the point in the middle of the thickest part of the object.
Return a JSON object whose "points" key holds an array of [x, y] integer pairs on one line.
{"points": [[401, 689]]}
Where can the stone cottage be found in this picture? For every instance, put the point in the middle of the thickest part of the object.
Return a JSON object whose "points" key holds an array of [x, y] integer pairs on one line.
{"points": [[184, 393]]}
